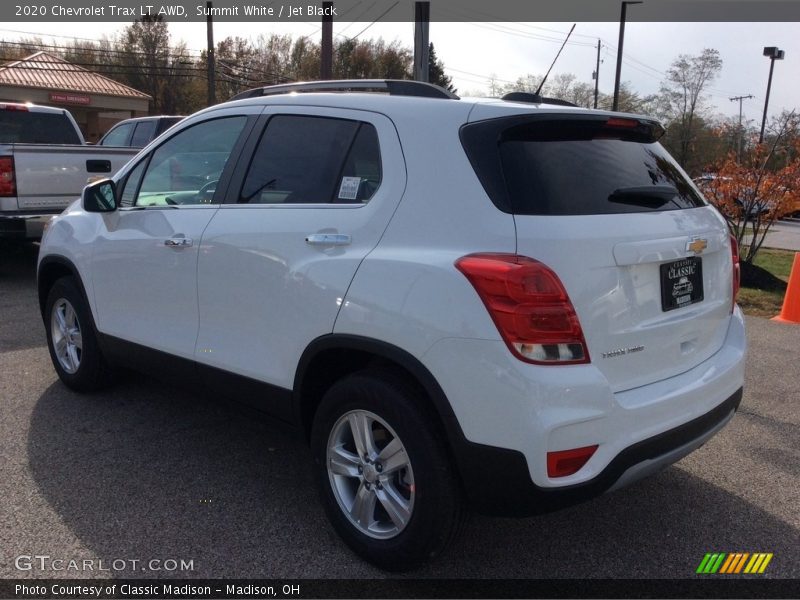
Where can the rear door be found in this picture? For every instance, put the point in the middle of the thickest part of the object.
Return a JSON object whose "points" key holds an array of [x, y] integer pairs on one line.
{"points": [[276, 261], [646, 263]]}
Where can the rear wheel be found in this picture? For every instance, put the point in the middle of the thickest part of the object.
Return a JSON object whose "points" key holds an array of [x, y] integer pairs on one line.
{"points": [[385, 478], [72, 340]]}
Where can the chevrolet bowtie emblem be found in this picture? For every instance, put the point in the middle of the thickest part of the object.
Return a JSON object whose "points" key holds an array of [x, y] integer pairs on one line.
{"points": [[696, 245]]}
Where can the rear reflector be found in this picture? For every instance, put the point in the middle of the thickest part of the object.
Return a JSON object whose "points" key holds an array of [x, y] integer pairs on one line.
{"points": [[8, 185], [567, 462], [529, 306]]}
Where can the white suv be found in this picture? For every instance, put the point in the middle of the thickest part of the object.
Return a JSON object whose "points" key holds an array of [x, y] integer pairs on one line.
{"points": [[504, 305]]}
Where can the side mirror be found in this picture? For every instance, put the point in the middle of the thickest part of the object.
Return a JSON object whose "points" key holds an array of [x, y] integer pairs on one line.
{"points": [[100, 196]]}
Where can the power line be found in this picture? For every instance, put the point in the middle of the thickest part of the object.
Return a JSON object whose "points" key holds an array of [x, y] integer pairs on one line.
{"points": [[82, 49], [383, 14]]}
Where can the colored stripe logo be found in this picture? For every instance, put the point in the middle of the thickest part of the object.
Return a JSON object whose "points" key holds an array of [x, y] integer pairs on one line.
{"points": [[734, 563]]}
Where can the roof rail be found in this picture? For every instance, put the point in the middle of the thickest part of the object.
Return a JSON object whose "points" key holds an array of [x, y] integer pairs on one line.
{"points": [[535, 99], [394, 87]]}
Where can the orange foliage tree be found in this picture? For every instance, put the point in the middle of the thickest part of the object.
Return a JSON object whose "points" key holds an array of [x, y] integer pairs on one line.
{"points": [[753, 193]]}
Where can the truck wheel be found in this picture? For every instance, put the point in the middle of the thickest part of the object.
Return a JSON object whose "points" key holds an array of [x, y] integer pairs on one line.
{"points": [[385, 478], [72, 340]]}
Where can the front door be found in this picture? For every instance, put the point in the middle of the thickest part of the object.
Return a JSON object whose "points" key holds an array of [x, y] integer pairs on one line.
{"points": [[144, 263]]}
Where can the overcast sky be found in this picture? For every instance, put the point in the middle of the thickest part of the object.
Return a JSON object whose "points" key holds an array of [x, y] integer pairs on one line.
{"points": [[473, 52]]}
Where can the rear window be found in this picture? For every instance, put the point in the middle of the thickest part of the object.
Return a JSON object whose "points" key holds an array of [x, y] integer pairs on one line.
{"points": [[575, 167], [25, 127]]}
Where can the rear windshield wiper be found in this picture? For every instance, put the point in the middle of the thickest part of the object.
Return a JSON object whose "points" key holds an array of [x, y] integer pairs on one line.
{"points": [[652, 196]]}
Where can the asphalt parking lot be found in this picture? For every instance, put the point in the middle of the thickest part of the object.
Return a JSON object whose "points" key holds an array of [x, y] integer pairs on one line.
{"points": [[145, 471]]}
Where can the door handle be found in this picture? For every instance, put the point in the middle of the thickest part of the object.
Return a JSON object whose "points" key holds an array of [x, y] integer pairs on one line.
{"points": [[328, 239], [98, 166], [178, 242]]}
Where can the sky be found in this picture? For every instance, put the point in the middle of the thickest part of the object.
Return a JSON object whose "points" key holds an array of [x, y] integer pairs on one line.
{"points": [[472, 53]]}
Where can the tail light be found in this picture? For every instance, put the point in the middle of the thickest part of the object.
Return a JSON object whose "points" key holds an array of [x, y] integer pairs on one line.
{"points": [[567, 462], [737, 274], [8, 186], [529, 306]]}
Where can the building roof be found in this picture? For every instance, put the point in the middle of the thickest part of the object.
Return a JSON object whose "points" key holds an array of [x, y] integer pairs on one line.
{"points": [[46, 71]]}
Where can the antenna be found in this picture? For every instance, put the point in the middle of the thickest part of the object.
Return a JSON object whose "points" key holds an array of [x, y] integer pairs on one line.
{"points": [[554, 60]]}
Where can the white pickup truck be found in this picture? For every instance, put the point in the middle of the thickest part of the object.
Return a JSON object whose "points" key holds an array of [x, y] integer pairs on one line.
{"points": [[44, 165]]}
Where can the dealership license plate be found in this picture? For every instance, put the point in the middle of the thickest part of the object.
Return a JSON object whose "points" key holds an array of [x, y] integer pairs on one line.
{"points": [[681, 283]]}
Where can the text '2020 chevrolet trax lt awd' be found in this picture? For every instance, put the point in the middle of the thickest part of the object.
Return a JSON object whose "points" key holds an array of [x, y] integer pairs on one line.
{"points": [[503, 305]]}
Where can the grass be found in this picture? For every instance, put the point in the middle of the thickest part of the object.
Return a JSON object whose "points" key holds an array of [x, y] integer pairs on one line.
{"points": [[767, 303], [777, 262]]}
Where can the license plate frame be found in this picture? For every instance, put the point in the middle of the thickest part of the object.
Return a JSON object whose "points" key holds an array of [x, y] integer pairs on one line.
{"points": [[681, 283]]}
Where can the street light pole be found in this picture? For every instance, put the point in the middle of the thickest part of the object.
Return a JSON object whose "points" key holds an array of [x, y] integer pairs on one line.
{"points": [[774, 54], [622, 15]]}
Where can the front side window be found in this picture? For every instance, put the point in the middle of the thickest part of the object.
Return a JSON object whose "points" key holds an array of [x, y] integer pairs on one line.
{"points": [[313, 160], [127, 188], [185, 169]]}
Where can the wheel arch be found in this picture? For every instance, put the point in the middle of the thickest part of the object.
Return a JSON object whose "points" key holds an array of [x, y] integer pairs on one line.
{"points": [[51, 269], [331, 357]]}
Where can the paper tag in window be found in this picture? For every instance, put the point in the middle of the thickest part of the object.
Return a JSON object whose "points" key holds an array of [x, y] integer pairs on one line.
{"points": [[349, 188]]}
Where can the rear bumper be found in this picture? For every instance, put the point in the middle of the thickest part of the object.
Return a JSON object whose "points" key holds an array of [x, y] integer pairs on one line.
{"points": [[498, 483], [24, 226], [509, 415]]}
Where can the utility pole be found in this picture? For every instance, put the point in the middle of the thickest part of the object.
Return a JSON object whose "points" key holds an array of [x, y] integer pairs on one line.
{"points": [[774, 54], [326, 49], [622, 16], [739, 130], [212, 81], [422, 16], [597, 75]]}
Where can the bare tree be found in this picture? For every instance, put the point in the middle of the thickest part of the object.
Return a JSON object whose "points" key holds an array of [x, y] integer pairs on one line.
{"points": [[682, 99]]}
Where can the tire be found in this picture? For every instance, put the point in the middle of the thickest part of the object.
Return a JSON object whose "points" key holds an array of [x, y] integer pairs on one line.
{"points": [[419, 489], [72, 339]]}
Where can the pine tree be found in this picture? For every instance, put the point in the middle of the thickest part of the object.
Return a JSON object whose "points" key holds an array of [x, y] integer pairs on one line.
{"points": [[436, 73]]}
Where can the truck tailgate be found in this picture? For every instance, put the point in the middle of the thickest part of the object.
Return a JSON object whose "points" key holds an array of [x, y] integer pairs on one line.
{"points": [[52, 176]]}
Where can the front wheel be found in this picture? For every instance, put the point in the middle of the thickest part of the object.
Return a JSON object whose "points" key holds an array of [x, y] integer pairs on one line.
{"points": [[385, 478], [72, 340]]}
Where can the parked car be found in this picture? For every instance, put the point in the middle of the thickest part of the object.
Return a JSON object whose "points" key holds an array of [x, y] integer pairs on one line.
{"points": [[506, 306], [44, 165], [139, 132]]}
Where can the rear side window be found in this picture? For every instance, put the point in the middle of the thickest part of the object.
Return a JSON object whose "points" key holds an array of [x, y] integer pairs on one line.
{"points": [[313, 160], [143, 133], [577, 167], [118, 136], [28, 127]]}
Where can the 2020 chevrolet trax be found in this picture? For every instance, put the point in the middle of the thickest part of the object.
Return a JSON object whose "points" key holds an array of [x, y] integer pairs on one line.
{"points": [[503, 305]]}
